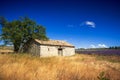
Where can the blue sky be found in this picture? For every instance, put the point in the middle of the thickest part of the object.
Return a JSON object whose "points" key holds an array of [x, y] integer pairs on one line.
{"points": [[84, 23]]}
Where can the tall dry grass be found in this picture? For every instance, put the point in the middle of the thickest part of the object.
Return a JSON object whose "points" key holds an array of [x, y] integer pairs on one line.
{"points": [[78, 67]]}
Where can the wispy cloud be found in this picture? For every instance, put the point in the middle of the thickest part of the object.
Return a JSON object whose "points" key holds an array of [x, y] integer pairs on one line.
{"points": [[98, 46], [88, 23], [102, 46], [92, 46]]}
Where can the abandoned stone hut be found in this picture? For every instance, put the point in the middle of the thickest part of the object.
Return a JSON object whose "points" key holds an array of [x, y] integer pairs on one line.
{"points": [[50, 48]]}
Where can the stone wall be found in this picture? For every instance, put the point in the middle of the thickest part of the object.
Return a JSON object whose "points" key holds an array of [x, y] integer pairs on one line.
{"points": [[68, 51], [48, 50], [34, 49], [53, 51]]}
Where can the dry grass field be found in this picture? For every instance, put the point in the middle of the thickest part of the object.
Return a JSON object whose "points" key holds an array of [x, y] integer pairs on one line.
{"points": [[78, 67], [5, 49]]}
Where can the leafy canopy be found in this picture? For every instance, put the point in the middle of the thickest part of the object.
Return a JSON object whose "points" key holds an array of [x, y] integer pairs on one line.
{"points": [[19, 32]]}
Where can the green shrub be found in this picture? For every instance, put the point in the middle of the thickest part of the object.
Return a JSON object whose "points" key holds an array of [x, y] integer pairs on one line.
{"points": [[102, 76]]}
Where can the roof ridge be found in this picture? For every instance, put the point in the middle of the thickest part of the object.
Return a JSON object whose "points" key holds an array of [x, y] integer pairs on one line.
{"points": [[54, 42]]}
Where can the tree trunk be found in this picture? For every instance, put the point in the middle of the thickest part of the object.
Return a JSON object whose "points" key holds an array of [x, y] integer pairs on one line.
{"points": [[16, 47]]}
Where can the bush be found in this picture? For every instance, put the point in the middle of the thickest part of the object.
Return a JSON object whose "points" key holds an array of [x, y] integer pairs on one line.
{"points": [[102, 76]]}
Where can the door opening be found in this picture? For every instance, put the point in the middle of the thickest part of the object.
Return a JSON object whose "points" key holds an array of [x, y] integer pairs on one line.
{"points": [[60, 51]]}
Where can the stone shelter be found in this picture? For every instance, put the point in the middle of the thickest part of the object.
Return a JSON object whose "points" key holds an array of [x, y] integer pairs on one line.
{"points": [[50, 48]]}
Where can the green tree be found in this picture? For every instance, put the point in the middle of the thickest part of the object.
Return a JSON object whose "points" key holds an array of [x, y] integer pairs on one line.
{"points": [[19, 32]]}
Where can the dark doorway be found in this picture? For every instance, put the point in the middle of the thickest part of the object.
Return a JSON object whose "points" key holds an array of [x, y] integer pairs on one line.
{"points": [[60, 51]]}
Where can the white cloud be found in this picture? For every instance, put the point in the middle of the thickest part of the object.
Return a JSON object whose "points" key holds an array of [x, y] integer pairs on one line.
{"points": [[98, 46], [102, 46], [92, 46], [90, 24]]}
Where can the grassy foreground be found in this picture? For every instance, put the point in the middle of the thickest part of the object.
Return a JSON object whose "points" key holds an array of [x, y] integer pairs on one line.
{"points": [[78, 67]]}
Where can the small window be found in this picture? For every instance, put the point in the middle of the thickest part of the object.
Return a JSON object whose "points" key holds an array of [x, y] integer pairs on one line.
{"points": [[48, 49]]}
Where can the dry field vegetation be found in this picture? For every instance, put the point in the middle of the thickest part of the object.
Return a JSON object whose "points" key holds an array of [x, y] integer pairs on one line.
{"points": [[4, 49], [78, 67]]}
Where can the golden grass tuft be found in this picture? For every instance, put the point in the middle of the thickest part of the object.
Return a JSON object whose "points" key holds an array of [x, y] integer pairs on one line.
{"points": [[78, 67]]}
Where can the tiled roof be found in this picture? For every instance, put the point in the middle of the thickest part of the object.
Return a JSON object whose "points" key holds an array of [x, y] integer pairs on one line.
{"points": [[54, 43]]}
